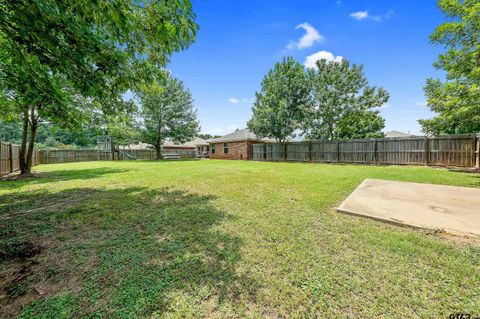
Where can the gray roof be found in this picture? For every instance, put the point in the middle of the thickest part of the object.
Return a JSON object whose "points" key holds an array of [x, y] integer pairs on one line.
{"points": [[397, 134], [193, 143], [239, 135], [197, 141]]}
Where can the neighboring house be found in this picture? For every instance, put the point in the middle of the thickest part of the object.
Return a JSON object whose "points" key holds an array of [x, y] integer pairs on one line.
{"points": [[138, 146], [235, 145], [199, 145], [397, 134]]}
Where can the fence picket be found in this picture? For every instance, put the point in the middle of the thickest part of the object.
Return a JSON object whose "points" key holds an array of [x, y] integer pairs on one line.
{"points": [[453, 150]]}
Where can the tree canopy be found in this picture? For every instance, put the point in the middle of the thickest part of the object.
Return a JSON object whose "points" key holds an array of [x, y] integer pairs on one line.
{"points": [[342, 102], [456, 101], [332, 101], [360, 124], [279, 106], [55, 54], [168, 113]]}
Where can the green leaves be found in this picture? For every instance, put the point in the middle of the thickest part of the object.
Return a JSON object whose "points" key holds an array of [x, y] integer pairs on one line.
{"points": [[456, 101], [342, 95], [331, 101], [168, 112], [55, 55], [279, 106]]}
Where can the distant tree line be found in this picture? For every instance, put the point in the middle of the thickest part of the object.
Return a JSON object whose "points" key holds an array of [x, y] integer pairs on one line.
{"points": [[49, 136]]}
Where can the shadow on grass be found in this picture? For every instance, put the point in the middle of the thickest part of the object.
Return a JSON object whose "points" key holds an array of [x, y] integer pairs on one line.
{"points": [[130, 252], [16, 181]]}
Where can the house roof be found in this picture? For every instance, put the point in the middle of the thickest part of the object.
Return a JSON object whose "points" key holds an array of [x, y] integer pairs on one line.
{"points": [[396, 134], [190, 144], [140, 146], [239, 135]]}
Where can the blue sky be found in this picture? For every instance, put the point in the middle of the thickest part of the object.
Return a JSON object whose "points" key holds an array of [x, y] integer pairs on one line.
{"points": [[239, 41]]}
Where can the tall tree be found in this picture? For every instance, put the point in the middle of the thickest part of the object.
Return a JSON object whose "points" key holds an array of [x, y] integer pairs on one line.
{"points": [[53, 51], [280, 104], [168, 113], [456, 101], [341, 92], [360, 124]]}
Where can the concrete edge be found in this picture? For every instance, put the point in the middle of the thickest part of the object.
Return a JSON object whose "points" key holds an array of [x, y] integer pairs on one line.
{"points": [[408, 226]]}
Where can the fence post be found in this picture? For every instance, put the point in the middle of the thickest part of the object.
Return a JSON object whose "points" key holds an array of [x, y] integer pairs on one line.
{"points": [[309, 151], [10, 156], [427, 151], [375, 151], [477, 153], [265, 151], [338, 151]]}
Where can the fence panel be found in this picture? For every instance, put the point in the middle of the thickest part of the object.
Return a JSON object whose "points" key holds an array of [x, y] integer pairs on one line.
{"points": [[298, 152], [275, 152], [4, 159], [401, 151], [356, 151], [10, 158], [53, 156], [15, 157], [258, 152], [454, 150], [324, 151]]}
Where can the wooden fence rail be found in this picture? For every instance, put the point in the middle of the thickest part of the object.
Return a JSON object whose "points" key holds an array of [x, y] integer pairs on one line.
{"points": [[68, 156], [10, 158], [455, 150]]}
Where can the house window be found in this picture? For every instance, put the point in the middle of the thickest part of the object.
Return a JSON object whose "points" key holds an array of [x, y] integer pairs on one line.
{"points": [[213, 149], [225, 148]]}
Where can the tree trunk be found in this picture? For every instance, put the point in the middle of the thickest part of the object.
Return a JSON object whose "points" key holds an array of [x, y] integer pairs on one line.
{"points": [[23, 146], [159, 153], [31, 143], [158, 147]]}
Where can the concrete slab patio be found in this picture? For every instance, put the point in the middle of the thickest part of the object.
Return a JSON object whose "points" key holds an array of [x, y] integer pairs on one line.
{"points": [[450, 208]]}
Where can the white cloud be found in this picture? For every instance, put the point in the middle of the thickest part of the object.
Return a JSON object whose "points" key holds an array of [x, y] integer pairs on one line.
{"points": [[245, 100], [311, 59], [359, 15], [308, 39], [383, 17]]}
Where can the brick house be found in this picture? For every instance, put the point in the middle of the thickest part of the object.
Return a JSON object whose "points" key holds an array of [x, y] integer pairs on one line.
{"points": [[236, 145]]}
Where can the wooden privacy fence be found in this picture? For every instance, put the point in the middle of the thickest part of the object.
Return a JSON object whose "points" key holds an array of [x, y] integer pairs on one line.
{"points": [[69, 156], [455, 150], [10, 158]]}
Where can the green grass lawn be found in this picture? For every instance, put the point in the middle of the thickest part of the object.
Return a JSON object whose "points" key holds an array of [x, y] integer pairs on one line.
{"points": [[220, 239]]}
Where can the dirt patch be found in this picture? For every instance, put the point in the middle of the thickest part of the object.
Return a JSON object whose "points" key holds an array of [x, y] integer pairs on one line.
{"points": [[18, 267], [458, 239]]}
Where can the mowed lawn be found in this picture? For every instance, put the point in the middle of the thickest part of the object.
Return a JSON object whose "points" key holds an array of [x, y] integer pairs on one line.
{"points": [[222, 239]]}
